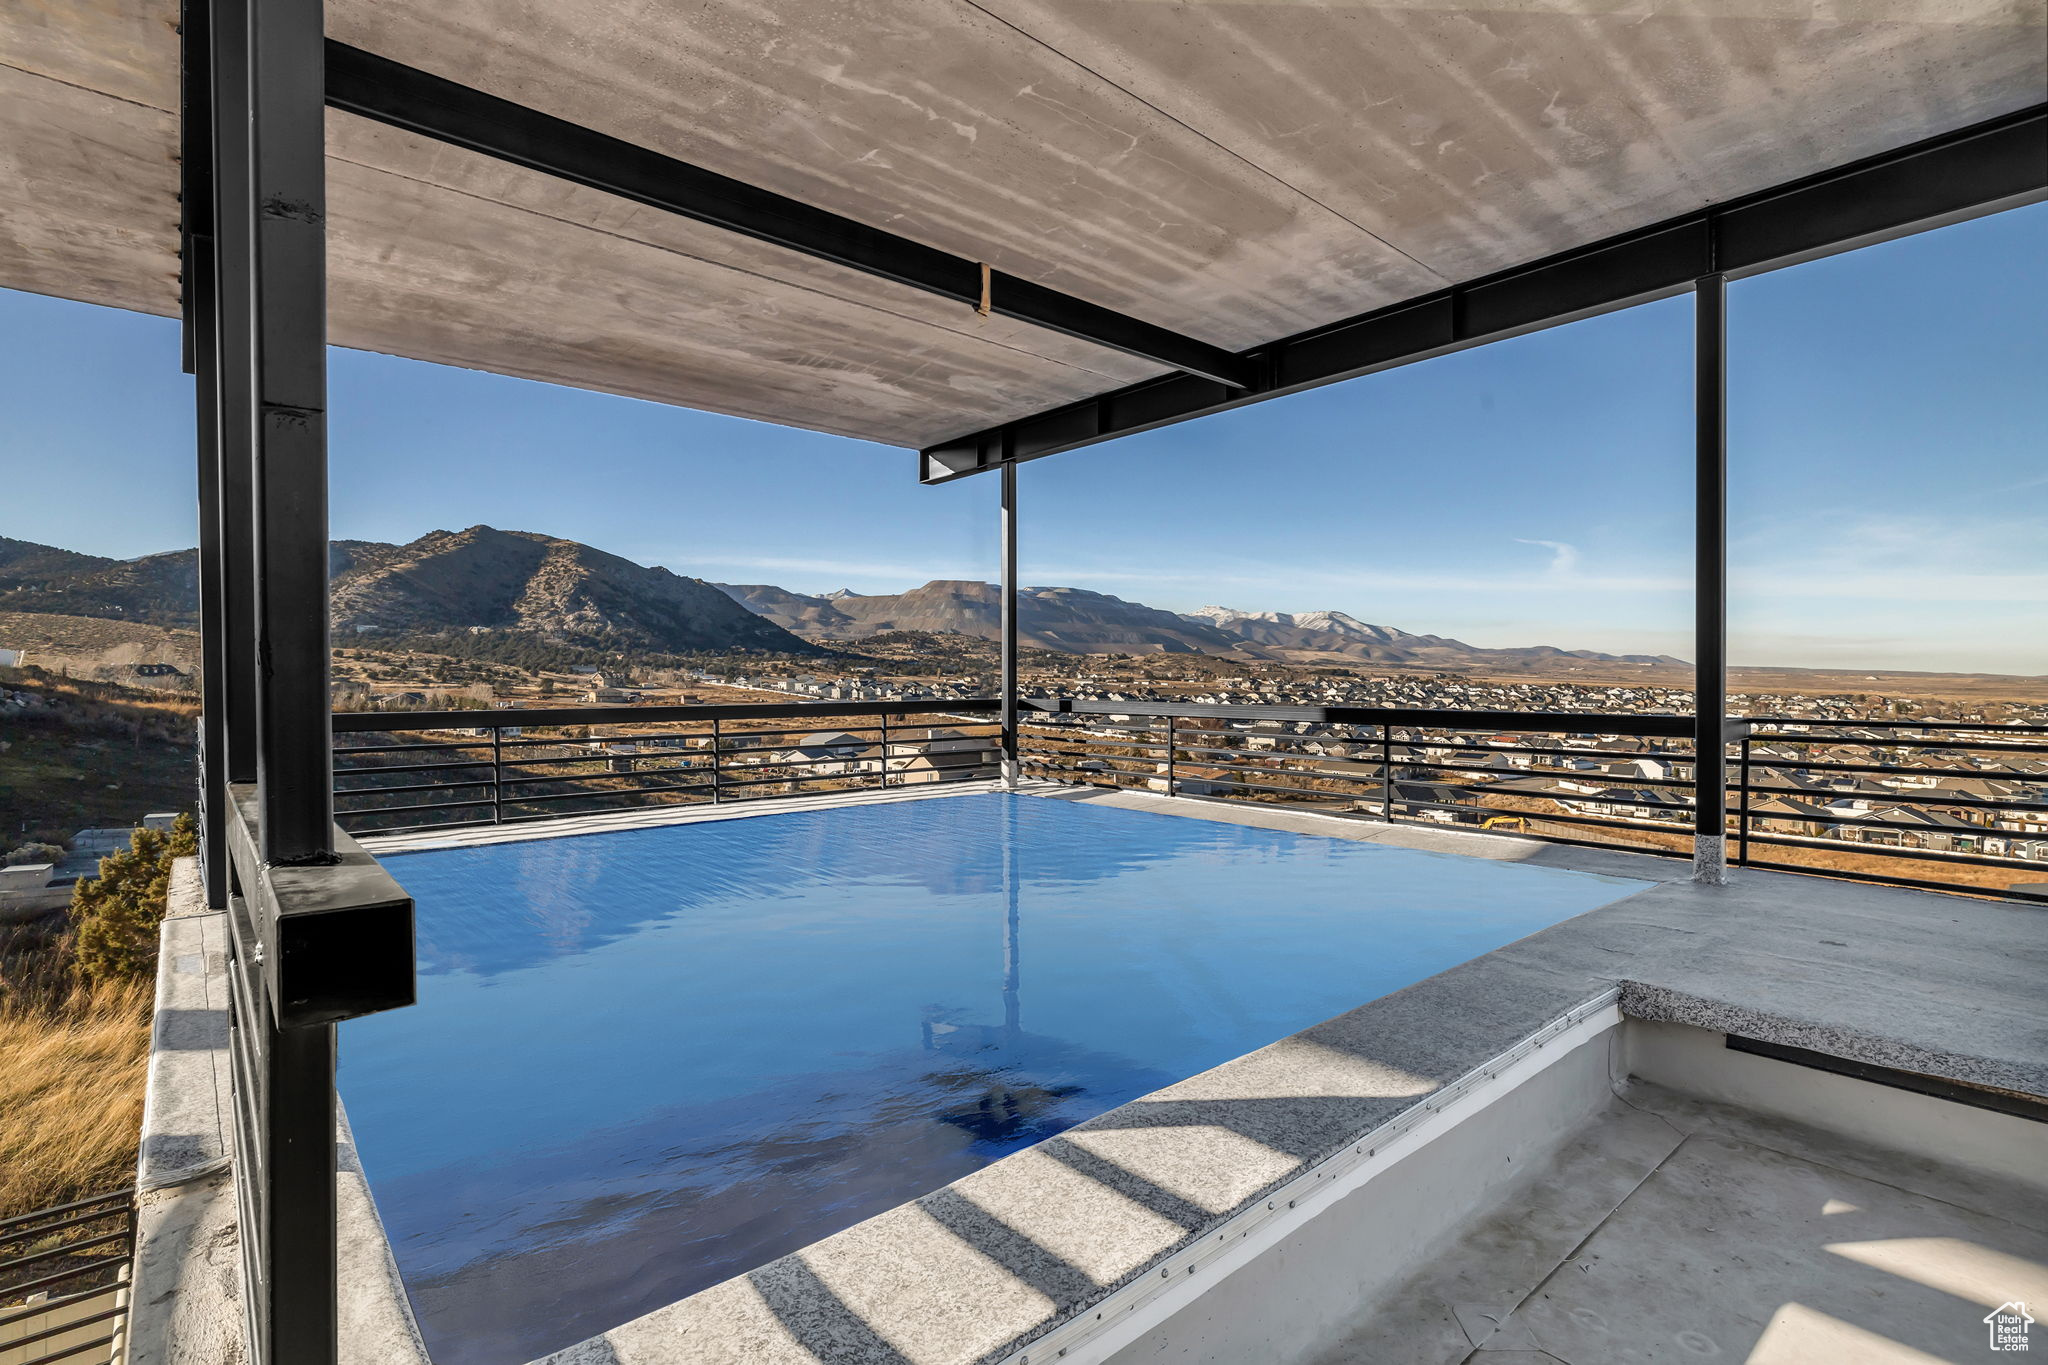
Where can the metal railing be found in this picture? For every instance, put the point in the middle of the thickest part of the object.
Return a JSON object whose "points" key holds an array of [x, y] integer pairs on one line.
{"points": [[1836, 788], [1903, 802], [401, 770], [64, 1281], [1612, 780]]}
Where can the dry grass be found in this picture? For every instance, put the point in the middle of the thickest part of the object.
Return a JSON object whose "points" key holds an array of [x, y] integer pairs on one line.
{"points": [[72, 1066]]}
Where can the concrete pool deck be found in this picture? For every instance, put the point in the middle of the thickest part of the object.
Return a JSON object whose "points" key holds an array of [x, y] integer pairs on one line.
{"points": [[983, 1269]]}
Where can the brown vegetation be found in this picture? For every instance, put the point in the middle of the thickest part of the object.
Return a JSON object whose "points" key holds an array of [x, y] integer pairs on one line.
{"points": [[75, 1003], [72, 1059]]}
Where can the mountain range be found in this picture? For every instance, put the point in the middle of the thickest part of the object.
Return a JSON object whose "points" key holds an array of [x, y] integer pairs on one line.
{"points": [[1076, 621], [480, 578], [563, 590]]}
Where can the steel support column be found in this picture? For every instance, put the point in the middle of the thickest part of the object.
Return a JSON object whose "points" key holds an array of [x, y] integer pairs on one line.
{"points": [[200, 305], [1710, 580], [258, 346], [287, 205], [226, 394], [1011, 746]]}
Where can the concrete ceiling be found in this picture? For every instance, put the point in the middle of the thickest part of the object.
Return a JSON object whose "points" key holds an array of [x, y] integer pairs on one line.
{"points": [[1234, 171]]}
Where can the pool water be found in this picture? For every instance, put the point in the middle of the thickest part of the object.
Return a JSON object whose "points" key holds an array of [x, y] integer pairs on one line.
{"points": [[647, 1060]]}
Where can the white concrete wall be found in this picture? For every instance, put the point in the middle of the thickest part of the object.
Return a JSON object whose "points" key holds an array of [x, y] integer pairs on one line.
{"points": [[1290, 1300], [1698, 1062]]}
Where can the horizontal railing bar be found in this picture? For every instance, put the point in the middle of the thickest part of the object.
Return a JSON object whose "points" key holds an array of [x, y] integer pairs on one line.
{"points": [[1886, 851], [1612, 846], [403, 789], [511, 763], [1893, 879], [76, 1221], [1975, 726], [1612, 781], [1211, 765], [78, 1349], [1645, 725], [1568, 817], [126, 1197], [1243, 785], [614, 791], [94, 1267], [600, 777], [1891, 769], [348, 750], [384, 831], [1374, 780], [362, 722], [1399, 744], [1863, 822], [69, 1248], [1922, 797], [1926, 745], [380, 770], [9, 1317], [44, 1334], [400, 810]]}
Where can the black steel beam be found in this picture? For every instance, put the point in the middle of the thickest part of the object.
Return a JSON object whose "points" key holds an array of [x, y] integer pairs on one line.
{"points": [[226, 395], [338, 939], [1007, 688], [1710, 578], [287, 203], [375, 87], [351, 722], [1993, 165], [200, 307]]}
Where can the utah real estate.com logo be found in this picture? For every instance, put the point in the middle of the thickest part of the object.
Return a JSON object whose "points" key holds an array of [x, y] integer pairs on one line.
{"points": [[2008, 1324]]}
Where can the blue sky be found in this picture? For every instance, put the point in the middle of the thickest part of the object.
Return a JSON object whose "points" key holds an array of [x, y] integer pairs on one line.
{"points": [[1889, 472]]}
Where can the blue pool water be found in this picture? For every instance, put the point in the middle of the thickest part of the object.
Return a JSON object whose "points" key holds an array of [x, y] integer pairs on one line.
{"points": [[647, 1060]]}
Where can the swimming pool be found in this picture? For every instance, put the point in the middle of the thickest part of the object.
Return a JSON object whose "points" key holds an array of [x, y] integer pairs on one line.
{"points": [[646, 1060]]}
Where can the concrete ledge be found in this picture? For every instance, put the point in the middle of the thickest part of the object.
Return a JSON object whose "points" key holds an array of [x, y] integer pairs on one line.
{"points": [[185, 1111], [1665, 1004], [188, 1272]]}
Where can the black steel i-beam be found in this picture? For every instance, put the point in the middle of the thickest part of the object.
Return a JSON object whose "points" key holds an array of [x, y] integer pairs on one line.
{"points": [[1009, 624], [1710, 579], [1993, 165], [226, 393], [200, 305], [375, 87], [288, 205]]}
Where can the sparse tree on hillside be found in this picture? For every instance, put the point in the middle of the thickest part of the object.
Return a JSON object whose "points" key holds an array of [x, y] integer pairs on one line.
{"points": [[117, 913]]}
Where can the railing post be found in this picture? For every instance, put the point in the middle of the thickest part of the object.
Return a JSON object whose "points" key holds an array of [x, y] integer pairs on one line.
{"points": [[1710, 581], [885, 747], [717, 745], [497, 775], [1169, 757], [1387, 772], [1011, 747], [1742, 805]]}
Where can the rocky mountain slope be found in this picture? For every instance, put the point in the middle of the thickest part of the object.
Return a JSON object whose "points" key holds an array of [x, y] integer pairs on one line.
{"points": [[1334, 632], [1076, 621], [1070, 620], [447, 580], [160, 590]]}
